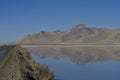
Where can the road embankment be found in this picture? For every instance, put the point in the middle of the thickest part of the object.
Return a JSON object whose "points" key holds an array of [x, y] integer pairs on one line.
{"points": [[18, 65]]}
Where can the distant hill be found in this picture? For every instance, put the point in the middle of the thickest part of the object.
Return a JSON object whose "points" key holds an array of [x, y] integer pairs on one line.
{"points": [[79, 34]]}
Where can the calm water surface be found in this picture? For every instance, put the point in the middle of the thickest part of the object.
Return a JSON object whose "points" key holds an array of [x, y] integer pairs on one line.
{"points": [[80, 63]]}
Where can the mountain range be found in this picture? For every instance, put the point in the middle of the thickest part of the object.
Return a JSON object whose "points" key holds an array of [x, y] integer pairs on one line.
{"points": [[79, 34]]}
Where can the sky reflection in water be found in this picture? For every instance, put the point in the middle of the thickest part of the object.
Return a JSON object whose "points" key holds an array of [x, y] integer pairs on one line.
{"points": [[80, 63]]}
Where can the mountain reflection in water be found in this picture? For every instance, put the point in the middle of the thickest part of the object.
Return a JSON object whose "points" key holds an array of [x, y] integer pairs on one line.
{"points": [[78, 55]]}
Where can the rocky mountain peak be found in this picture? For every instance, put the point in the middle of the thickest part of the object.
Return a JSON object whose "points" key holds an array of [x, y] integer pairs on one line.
{"points": [[81, 29], [56, 31], [79, 26], [79, 34], [42, 33]]}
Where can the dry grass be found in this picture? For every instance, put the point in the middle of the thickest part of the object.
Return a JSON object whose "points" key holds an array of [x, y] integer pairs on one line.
{"points": [[20, 66]]}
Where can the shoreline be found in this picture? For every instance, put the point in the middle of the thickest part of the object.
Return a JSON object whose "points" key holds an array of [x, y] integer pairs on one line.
{"points": [[69, 45], [19, 65]]}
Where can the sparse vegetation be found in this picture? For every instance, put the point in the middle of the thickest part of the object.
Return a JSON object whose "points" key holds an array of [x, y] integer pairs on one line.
{"points": [[22, 67]]}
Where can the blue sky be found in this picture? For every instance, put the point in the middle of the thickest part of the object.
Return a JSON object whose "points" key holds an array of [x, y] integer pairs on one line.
{"points": [[22, 17]]}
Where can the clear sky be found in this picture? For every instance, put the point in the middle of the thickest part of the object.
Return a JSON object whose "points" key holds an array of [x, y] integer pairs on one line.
{"points": [[21, 17]]}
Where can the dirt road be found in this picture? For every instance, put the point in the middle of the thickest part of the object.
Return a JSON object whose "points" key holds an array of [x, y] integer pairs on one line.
{"points": [[16, 64], [4, 52]]}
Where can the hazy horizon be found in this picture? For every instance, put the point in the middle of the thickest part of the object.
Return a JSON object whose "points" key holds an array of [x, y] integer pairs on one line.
{"points": [[19, 18]]}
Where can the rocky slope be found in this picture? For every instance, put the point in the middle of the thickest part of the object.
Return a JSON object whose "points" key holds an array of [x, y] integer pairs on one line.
{"points": [[80, 34], [19, 66]]}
